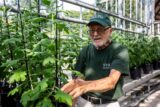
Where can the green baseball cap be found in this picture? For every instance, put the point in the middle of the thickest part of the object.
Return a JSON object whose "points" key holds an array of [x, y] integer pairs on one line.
{"points": [[101, 19]]}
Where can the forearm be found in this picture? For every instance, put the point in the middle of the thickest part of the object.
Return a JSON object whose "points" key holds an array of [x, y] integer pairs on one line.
{"points": [[81, 82], [74, 84], [100, 85], [103, 84], [78, 87]]}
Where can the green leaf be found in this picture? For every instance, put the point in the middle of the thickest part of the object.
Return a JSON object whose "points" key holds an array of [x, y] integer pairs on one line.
{"points": [[17, 77], [46, 2], [45, 103], [9, 63], [42, 86], [26, 96], [12, 92], [48, 60], [37, 53], [11, 41], [63, 97], [1, 8], [33, 95], [78, 74], [43, 42], [62, 26], [48, 72], [38, 19]]}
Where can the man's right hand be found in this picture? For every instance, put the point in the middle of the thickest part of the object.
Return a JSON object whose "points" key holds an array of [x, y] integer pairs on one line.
{"points": [[67, 88]]}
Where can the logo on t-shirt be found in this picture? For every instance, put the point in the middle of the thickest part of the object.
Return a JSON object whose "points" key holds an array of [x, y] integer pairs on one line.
{"points": [[106, 66]]}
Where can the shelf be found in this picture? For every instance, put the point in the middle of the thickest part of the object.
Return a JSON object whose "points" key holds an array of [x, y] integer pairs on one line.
{"points": [[140, 93], [135, 83]]}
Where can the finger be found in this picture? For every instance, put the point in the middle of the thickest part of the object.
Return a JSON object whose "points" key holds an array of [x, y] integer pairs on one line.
{"points": [[72, 92], [75, 93], [72, 82], [68, 88], [64, 87]]}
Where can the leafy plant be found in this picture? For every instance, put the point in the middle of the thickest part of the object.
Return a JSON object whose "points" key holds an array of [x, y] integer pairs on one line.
{"points": [[28, 56], [142, 49]]}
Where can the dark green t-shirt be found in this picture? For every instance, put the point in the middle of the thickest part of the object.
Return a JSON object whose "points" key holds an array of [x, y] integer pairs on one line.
{"points": [[96, 64]]}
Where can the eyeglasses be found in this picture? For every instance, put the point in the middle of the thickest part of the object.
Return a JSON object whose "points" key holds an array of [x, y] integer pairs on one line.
{"points": [[99, 30]]}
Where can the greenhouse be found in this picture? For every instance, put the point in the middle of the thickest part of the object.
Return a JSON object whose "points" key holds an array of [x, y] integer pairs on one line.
{"points": [[48, 49]]}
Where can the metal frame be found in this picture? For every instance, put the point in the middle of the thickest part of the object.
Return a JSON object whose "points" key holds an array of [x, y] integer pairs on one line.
{"points": [[119, 17], [91, 7], [156, 24], [144, 25]]}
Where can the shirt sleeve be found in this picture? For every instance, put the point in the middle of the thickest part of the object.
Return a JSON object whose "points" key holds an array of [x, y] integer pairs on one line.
{"points": [[121, 61]]}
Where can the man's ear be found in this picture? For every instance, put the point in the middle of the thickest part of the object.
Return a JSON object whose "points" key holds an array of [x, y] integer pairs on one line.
{"points": [[110, 30]]}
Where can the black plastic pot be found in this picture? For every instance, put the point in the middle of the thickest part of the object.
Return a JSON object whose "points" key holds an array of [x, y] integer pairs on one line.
{"points": [[2, 84], [9, 101], [146, 68], [155, 65], [158, 64], [135, 73], [57, 104], [3, 87]]}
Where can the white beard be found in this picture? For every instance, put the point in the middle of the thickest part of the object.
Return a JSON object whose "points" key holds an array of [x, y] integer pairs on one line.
{"points": [[101, 45]]}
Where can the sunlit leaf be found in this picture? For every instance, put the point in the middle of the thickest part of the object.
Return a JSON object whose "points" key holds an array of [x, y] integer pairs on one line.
{"points": [[17, 76], [42, 86], [12, 92], [63, 98], [48, 60]]}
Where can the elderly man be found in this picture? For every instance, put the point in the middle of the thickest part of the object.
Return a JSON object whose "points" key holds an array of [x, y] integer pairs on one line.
{"points": [[104, 64]]}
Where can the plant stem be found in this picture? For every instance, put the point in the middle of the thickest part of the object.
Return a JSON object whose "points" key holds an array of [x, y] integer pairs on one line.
{"points": [[24, 46]]}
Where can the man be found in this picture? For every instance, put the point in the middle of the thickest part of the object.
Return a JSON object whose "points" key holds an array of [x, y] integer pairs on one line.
{"points": [[104, 64]]}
